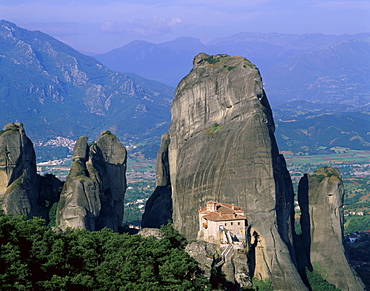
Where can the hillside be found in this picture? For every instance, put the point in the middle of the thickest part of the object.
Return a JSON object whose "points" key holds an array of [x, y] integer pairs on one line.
{"points": [[166, 62], [314, 67], [316, 131], [57, 91]]}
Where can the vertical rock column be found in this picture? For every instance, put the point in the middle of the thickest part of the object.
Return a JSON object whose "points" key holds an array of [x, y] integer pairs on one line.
{"points": [[18, 177], [93, 194], [320, 198], [158, 209], [222, 148]]}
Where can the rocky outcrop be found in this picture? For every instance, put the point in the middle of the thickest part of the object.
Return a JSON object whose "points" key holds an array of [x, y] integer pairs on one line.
{"points": [[241, 272], [320, 198], [154, 232], [158, 209], [236, 271], [18, 177], [92, 197], [205, 254], [222, 148]]}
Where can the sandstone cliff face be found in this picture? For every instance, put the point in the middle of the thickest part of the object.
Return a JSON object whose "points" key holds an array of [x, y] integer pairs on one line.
{"points": [[18, 177], [93, 194], [320, 198], [222, 148], [158, 209]]}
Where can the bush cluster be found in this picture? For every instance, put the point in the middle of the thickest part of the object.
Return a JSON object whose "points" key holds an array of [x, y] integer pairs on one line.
{"points": [[34, 257], [213, 128]]}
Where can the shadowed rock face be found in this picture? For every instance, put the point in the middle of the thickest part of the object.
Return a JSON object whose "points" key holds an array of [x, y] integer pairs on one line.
{"points": [[18, 176], [222, 148], [320, 198], [93, 194], [158, 209]]}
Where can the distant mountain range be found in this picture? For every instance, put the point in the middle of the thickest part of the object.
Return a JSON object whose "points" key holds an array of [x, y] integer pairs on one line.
{"points": [[315, 82], [56, 91], [294, 67], [166, 62], [337, 74]]}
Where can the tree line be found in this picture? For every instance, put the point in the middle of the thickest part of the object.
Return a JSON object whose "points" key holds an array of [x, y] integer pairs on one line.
{"points": [[34, 257]]}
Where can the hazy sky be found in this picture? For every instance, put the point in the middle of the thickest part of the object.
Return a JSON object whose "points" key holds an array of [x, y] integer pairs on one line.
{"points": [[101, 25]]}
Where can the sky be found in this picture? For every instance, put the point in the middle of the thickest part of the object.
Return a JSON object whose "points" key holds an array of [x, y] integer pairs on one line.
{"points": [[98, 26]]}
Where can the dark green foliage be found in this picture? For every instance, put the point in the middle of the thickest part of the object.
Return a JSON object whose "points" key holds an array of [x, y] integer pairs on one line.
{"points": [[229, 68], [177, 239], [359, 251], [261, 285], [357, 224], [249, 64], [214, 128], [215, 59], [319, 177], [324, 172], [77, 170], [107, 132], [318, 283], [33, 257], [211, 60], [53, 215], [13, 127], [131, 215]]}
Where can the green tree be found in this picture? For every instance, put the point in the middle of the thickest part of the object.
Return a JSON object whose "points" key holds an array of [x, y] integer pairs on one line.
{"points": [[317, 283], [34, 257]]}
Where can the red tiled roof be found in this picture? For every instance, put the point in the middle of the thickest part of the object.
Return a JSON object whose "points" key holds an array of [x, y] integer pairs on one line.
{"points": [[216, 216], [223, 212], [202, 209], [237, 209]]}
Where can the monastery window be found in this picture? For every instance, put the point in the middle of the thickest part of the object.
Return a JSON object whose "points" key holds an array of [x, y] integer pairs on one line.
{"points": [[232, 223], [225, 223], [238, 223]]}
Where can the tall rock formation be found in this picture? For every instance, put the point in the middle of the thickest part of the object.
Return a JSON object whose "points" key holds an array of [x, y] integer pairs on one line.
{"points": [[222, 148], [320, 198], [158, 209], [92, 197], [18, 177]]}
